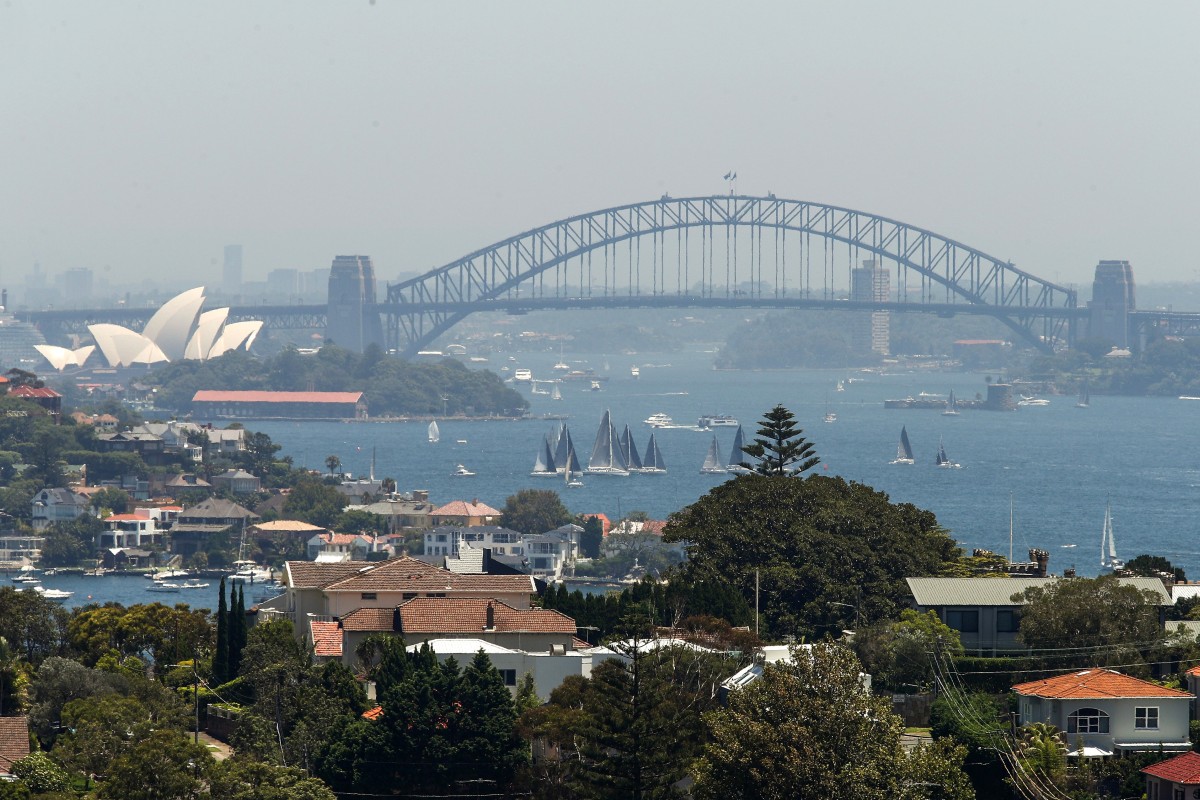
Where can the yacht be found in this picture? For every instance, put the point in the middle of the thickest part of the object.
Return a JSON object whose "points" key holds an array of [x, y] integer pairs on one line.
{"points": [[247, 571], [634, 372], [659, 420], [1032, 401], [52, 594], [462, 472], [164, 587], [717, 421], [166, 574]]}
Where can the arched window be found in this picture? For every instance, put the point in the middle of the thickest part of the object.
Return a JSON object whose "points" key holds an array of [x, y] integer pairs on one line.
{"points": [[1087, 720]]}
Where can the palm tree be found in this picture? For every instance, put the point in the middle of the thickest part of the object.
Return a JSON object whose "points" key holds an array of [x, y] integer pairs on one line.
{"points": [[334, 463], [1042, 749]]}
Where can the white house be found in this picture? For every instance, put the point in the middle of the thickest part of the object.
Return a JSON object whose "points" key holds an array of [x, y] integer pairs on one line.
{"points": [[548, 669], [57, 505], [446, 540], [554, 553], [1108, 712], [138, 529]]}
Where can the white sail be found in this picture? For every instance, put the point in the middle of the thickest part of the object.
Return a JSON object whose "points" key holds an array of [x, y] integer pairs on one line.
{"points": [[434, 434], [544, 465], [904, 453], [556, 394], [606, 456], [713, 463], [654, 460], [736, 455]]}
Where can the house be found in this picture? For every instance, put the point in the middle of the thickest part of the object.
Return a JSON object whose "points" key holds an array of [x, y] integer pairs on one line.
{"points": [[14, 742], [400, 511], [358, 491], [424, 618], [44, 397], [121, 558], [1107, 712], [548, 669], [1176, 778], [460, 512], [983, 611], [447, 540], [326, 637], [198, 524], [139, 528], [147, 445], [237, 481], [328, 546], [57, 505], [554, 553], [18, 549], [186, 482], [101, 422]]}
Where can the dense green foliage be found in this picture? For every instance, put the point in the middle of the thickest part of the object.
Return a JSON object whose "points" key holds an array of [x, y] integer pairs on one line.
{"points": [[534, 511], [817, 545], [1150, 566], [392, 385], [1165, 368], [899, 654]]}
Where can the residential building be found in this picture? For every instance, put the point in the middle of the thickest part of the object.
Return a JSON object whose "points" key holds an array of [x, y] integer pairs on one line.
{"points": [[346, 547], [358, 491], [122, 558], [1176, 778], [57, 505], [446, 540], [400, 511], [549, 669], [14, 742], [45, 397], [214, 404], [19, 549], [147, 445], [237, 481], [212, 517], [983, 610], [186, 482], [553, 554], [1103, 712], [137, 529], [461, 512]]}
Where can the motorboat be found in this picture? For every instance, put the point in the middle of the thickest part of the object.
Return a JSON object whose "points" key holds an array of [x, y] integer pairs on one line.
{"points": [[635, 372], [26, 578], [595, 386], [1033, 401], [166, 574], [717, 421], [247, 571], [461, 471], [52, 594], [659, 420], [164, 586], [830, 416], [193, 585]]}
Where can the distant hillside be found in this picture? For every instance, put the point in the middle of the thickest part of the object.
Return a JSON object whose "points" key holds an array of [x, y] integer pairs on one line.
{"points": [[392, 385]]}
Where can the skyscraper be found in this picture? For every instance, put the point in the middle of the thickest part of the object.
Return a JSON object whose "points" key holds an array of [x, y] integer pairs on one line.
{"points": [[353, 321], [871, 282], [231, 274]]}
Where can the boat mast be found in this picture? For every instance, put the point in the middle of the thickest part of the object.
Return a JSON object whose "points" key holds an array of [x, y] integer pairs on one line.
{"points": [[1010, 526]]}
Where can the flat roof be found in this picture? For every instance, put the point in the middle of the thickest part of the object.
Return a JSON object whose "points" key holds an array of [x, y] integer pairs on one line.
{"points": [[999, 591], [213, 396]]}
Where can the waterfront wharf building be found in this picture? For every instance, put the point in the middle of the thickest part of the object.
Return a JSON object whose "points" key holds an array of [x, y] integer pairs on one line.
{"points": [[213, 404]]}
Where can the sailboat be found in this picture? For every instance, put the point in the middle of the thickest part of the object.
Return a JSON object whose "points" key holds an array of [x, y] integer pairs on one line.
{"points": [[606, 456], [555, 394], [562, 366], [434, 434], [943, 460], [841, 387], [571, 467], [1108, 544], [629, 451], [533, 388], [736, 454], [543, 467], [653, 464], [951, 407], [563, 446], [904, 453], [713, 462], [1085, 398]]}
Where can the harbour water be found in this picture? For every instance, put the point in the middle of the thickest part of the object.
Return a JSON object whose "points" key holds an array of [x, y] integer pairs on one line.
{"points": [[1060, 464]]}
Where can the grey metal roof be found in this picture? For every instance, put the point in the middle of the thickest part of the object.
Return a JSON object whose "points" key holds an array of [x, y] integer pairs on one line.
{"points": [[930, 592]]}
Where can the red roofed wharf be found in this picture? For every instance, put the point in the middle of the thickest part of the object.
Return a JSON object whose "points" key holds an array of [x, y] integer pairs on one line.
{"points": [[279, 405]]}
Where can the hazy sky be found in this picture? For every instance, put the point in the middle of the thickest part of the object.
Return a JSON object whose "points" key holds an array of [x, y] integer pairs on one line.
{"points": [[139, 138]]}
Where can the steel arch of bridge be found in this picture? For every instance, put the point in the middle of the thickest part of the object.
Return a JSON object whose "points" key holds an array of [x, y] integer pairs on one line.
{"points": [[553, 266]]}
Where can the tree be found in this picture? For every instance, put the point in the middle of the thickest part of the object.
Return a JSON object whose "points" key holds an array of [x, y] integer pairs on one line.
{"points": [[220, 663], [811, 542], [592, 536], [808, 729], [534, 511], [1154, 567], [237, 631], [333, 464], [59, 681], [115, 500], [314, 502], [1120, 621], [780, 447], [166, 765], [244, 779], [259, 455], [899, 654], [41, 774]]}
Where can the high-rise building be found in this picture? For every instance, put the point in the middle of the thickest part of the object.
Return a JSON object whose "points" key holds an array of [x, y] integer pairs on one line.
{"points": [[283, 285], [871, 283], [1112, 300], [231, 273], [75, 288], [353, 321]]}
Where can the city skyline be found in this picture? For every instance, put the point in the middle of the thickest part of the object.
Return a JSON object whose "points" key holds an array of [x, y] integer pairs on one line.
{"points": [[148, 138]]}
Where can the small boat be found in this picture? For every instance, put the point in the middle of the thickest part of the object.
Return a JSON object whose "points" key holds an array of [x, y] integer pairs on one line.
{"points": [[435, 435], [943, 460], [52, 594], [461, 472], [717, 421], [543, 465], [595, 386], [635, 372], [1032, 401], [736, 454], [659, 420], [1108, 544], [1085, 398], [460, 441], [951, 407], [653, 464], [904, 453], [555, 394], [163, 587], [713, 463], [830, 416], [193, 585], [607, 458]]}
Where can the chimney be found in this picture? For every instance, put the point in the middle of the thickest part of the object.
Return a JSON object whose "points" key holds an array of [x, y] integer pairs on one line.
{"points": [[491, 617]]}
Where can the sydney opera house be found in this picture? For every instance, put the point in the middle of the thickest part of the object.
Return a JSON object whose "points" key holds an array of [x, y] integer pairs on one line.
{"points": [[177, 331]]}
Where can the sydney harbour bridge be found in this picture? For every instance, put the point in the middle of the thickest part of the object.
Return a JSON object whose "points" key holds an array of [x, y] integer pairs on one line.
{"points": [[721, 251]]}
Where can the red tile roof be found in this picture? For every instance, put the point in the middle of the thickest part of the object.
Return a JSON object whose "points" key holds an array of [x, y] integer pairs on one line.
{"points": [[654, 526], [1095, 684], [213, 396], [1180, 769], [312, 575], [373, 713], [14, 740], [413, 575], [327, 638], [29, 391], [469, 615], [369, 619], [461, 508]]}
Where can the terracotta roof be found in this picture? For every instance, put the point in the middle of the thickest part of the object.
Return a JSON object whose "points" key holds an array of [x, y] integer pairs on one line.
{"points": [[410, 574], [341, 538], [327, 638], [654, 526], [1180, 769], [286, 526], [373, 713], [212, 396], [469, 615], [1194, 670], [461, 508], [369, 619], [14, 740], [134, 517], [1095, 684], [311, 575], [29, 391]]}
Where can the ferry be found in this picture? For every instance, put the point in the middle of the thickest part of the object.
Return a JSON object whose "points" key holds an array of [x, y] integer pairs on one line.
{"points": [[522, 375], [717, 421], [659, 420]]}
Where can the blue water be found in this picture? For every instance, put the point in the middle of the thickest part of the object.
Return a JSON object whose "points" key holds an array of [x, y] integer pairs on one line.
{"points": [[1060, 464]]}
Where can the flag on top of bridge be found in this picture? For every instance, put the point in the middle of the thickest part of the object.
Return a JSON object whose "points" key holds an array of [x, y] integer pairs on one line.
{"points": [[727, 174]]}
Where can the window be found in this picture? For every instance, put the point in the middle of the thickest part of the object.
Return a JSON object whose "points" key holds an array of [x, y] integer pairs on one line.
{"points": [[408, 595], [1007, 620], [965, 621], [368, 595], [1088, 720], [509, 676], [1146, 719], [441, 537]]}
